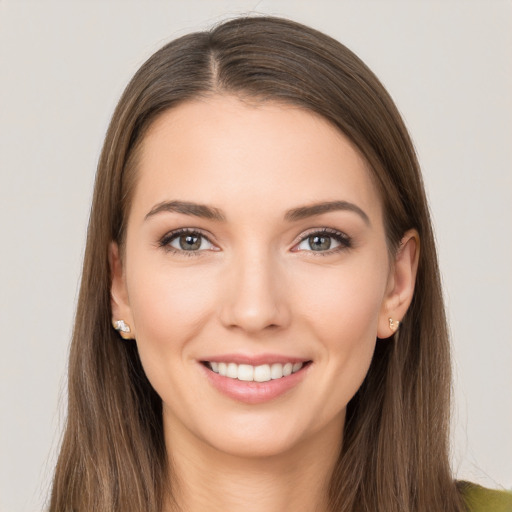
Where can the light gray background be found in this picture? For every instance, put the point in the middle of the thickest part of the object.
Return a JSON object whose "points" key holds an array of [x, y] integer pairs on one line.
{"points": [[63, 65]]}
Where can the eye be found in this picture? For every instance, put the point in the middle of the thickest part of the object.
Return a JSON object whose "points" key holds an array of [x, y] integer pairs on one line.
{"points": [[186, 240], [325, 241]]}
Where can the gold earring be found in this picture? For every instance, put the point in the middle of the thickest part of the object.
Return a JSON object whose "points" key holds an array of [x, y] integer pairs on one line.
{"points": [[393, 324], [121, 326]]}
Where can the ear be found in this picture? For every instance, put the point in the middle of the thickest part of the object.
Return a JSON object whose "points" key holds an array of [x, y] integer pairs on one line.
{"points": [[401, 281], [118, 293]]}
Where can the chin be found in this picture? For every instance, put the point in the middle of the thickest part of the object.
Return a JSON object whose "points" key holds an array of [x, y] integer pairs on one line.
{"points": [[250, 445], [271, 433]]}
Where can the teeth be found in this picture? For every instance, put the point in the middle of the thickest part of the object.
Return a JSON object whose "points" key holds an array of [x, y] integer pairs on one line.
{"points": [[276, 371], [262, 373], [249, 373], [232, 371], [245, 372]]}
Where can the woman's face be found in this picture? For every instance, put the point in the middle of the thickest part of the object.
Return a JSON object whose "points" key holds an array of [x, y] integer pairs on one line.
{"points": [[255, 247]]}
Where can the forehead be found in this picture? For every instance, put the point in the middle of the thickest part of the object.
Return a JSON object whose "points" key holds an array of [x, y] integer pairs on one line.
{"points": [[250, 156]]}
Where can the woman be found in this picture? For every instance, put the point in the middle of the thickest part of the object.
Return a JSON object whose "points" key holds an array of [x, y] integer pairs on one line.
{"points": [[260, 323]]}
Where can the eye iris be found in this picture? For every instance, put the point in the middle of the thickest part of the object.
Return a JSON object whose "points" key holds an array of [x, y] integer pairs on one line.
{"points": [[319, 243], [190, 242]]}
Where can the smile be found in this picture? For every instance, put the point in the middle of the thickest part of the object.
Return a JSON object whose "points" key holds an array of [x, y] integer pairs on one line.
{"points": [[268, 377], [250, 373]]}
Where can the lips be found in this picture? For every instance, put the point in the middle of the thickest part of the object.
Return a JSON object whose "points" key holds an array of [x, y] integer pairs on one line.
{"points": [[254, 380]]}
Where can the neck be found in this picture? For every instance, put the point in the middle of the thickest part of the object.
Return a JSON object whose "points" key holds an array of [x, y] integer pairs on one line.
{"points": [[204, 478]]}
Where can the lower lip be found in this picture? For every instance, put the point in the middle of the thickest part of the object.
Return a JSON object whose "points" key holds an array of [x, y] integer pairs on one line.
{"points": [[254, 392]]}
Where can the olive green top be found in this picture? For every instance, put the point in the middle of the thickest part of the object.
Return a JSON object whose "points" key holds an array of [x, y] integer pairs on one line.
{"points": [[480, 499]]}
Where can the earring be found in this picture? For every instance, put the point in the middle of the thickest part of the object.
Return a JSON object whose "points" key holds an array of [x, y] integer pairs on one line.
{"points": [[121, 326], [393, 324]]}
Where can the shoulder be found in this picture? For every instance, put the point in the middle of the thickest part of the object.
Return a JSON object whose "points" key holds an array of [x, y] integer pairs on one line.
{"points": [[480, 499]]}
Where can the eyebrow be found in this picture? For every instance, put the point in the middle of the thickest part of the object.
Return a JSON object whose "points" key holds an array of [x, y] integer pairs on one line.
{"points": [[304, 212], [188, 208], [293, 215]]}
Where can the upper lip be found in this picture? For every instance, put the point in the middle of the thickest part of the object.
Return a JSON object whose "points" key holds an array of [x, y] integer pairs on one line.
{"points": [[254, 360]]}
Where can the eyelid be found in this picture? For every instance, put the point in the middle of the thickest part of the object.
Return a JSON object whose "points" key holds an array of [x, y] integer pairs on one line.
{"points": [[164, 241], [344, 240]]}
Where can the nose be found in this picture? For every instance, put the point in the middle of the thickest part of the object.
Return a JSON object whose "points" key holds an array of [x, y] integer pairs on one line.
{"points": [[255, 295]]}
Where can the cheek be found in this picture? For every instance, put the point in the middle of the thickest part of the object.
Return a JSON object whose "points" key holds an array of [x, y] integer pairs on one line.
{"points": [[169, 306], [344, 304], [169, 299], [342, 311]]}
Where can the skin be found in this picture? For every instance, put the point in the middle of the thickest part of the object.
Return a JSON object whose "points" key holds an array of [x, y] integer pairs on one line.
{"points": [[255, 286]]}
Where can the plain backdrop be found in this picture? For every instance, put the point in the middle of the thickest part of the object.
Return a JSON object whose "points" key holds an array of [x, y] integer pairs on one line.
{"points": [[63, 66]]}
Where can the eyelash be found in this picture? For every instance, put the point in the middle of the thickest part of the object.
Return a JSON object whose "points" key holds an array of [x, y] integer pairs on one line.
{"points": [[169, 237], [344, 240]]}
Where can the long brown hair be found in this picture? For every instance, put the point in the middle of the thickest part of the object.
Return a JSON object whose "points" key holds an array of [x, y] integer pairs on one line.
{"points": [[395, 445]]}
